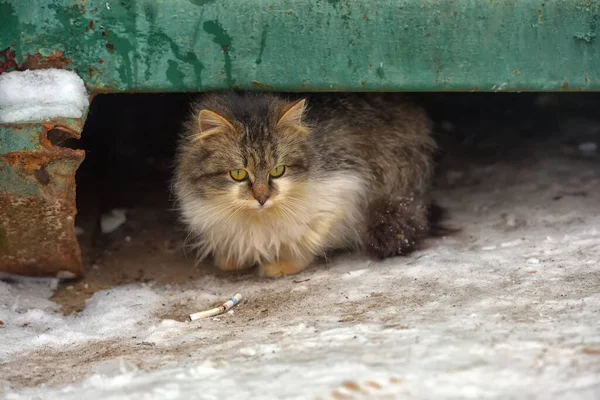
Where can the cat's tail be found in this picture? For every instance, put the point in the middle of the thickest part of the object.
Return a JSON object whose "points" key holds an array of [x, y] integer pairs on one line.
{"points": [[398, 226]]}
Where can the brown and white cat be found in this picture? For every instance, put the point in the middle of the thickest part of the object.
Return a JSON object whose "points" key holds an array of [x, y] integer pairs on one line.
{"points": [[263, 180]]}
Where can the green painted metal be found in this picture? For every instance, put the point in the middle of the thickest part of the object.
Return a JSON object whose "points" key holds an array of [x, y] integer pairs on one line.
{"points": [[19, 137], [422, 45]]}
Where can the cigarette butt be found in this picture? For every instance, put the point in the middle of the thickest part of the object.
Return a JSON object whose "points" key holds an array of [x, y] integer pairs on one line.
{"points": [[217, 310]]}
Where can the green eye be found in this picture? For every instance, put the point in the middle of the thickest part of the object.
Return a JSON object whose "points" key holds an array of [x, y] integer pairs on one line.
{"points": [[238, 174], [277, 171]]}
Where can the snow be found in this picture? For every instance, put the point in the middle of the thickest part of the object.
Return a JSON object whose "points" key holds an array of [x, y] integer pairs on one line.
{"points": [[509, 307], [588, 147], [37, 95], [112, 220]]}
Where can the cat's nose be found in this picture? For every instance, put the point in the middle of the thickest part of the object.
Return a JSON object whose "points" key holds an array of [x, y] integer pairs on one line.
{"points": [[262, 200], [261, 193]]}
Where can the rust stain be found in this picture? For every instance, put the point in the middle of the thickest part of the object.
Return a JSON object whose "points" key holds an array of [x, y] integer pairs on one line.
{"points": [[37, 230], [42, 175], [592, 351], [100, 61], [261, 86], [340, 396], [70, 132], [29, 162], [9, 62], [43, 242], [110, 46], [93, 70], [374, 385], [565, 86], [55, 59], [353, 387]]}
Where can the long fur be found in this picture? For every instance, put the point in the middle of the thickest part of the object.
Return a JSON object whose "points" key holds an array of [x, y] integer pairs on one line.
{"points": [[358, 177], [302, 222]]}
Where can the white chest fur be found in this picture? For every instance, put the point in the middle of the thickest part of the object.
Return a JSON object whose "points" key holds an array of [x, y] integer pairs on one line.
{"points": [[305, 219]]}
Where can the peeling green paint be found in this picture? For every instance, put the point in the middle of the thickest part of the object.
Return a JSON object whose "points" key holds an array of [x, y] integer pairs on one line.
{"points": [[327, 44], [174, 74], [9, 26], [585, 37], [380, 72], [201, 2], [263, 43], [221, 38]]}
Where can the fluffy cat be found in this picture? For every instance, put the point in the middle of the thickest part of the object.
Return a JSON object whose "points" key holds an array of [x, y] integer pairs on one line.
{"points": [[268, 181]]}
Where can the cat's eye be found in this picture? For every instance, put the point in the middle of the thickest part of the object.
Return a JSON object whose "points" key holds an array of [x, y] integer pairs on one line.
{"points": [[277, 171], [238, 174]]}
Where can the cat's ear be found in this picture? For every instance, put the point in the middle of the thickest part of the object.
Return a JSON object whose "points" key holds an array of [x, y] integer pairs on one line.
{"points": [[293, 114], [210, 123]]}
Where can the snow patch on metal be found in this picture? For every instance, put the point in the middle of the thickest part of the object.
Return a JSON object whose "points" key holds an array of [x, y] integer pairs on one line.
{"points": [[40, 95]]}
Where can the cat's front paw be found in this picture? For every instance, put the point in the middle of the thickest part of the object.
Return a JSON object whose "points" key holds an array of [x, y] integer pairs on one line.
{"points": [[229, 265], [281, 268]]}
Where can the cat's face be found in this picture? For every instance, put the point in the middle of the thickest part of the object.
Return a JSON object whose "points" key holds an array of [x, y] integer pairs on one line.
{"points": [[254, 161]]}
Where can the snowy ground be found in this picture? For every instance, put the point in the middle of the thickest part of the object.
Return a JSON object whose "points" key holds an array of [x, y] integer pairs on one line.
{"points": [[507, 308]]}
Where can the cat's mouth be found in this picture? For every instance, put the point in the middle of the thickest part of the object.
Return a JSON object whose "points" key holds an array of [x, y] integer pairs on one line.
{"points": [[261, 207]]}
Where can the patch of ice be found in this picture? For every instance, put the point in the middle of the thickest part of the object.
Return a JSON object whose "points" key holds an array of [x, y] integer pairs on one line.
{"points": [[112, 220], [115, 367], [512, 243], [588, 147], [355, 274], [65, 275], [39, 95], [300, 288]]}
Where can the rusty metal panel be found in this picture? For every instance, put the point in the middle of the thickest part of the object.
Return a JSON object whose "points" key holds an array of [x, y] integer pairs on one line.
{"points": [[37, 200], [422, 45]]}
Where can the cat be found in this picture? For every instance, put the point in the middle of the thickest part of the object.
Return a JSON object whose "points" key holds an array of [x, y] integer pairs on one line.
{"points": [[273, 181]]}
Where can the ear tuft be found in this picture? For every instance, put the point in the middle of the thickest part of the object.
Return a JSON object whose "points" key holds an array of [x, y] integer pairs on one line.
{"points": [[293, 114], [211, 123]]}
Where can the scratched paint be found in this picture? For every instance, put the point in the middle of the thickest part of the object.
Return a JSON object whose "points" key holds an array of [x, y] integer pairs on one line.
{"points": [[222, 38]]}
